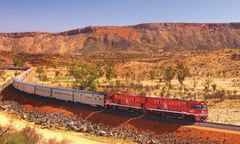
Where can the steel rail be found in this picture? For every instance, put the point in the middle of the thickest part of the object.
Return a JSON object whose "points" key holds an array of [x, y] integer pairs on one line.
{"points": [[218, 126]]}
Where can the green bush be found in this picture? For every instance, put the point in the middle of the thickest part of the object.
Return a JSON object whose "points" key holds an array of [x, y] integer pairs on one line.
{"points": [[15, 138], [26, 136]]}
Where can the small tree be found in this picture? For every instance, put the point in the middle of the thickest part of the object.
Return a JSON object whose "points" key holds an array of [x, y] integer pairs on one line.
{"points": [[214, 87], [85, 76], [152, 74], [110, 73], [39, 70], [94, 86], [17, 62], [168, 74], [182, 72], [207, 84], [57, 73], [118, 83]]}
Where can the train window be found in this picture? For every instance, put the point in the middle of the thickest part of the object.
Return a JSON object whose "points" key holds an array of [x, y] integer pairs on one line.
{"points": [[199, 107], [204, 107]]}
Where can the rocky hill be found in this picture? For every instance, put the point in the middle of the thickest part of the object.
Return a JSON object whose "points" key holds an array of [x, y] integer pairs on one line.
{"points": [[153, 37]]}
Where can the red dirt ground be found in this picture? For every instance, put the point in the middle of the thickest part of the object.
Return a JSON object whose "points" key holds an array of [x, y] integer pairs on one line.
{"points": [[153, 127]]}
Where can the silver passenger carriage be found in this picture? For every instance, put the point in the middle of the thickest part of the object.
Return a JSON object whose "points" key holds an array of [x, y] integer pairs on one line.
{"points": [[62, 94], [88, 97], [44, 91]]}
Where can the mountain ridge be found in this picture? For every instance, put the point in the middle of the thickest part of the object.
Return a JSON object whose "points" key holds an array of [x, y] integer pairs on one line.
{"points": [[146, 37]]}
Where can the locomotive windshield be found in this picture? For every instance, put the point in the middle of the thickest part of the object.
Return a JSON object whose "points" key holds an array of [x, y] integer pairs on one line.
{"points": [[199, 107]]}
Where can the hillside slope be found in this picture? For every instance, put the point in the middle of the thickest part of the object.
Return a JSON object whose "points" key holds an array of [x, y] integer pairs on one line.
{"points": [[143, 37]]}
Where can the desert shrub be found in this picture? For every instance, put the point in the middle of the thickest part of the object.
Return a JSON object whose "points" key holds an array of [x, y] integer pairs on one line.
{"points": [[229, 93], [31, 137], [207, 85], [15, 138], [57, 73], [39, 71], [157, 86], [85, 76], [147, 88], [54, 141], [163, 91], [214, 87], [110, 73], [118, 83], [235, 92], [26, 136], [220, 94], [43, 78], [18, 62], [207, 96], [152, 74], [182, 72], [16, 73], [168, 74], [143, 93]]}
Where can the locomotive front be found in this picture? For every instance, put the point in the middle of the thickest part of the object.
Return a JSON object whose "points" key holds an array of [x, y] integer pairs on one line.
{"points": [[199, 110]]}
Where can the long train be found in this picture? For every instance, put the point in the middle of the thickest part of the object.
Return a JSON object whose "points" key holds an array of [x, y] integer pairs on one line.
{"points": [[175, 108]]}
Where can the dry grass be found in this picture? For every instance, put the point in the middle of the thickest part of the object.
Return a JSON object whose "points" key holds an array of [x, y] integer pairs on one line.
{"points": [[7, 75]]}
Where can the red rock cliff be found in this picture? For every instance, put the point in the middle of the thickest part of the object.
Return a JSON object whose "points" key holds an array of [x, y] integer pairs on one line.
{"points": [[143, 37]]}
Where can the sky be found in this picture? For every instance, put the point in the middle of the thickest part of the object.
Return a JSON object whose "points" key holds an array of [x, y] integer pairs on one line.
{"points": [[63, 15]]}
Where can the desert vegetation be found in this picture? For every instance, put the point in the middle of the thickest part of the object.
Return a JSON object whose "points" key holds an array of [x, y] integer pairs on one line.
{"points": [[27, 135], [204, 75], [212, 76], [177, 79], [7, 75]]}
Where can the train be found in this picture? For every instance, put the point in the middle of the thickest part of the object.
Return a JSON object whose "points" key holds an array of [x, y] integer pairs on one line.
{"points": [[163, 107]]}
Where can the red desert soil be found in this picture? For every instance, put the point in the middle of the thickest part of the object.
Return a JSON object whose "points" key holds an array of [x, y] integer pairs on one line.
{"points": [[153, 127]]}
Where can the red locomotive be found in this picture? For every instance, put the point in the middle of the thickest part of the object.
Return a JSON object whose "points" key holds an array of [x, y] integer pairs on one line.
{"points": [[175, 108], [122, 101]]}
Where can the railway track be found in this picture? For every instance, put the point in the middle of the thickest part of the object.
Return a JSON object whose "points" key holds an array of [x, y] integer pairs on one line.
{"points": [[218, 126], [201, 124]]}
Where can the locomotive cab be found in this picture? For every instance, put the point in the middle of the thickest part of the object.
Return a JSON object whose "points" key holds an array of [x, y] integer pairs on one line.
{"points": [[199, 110]]}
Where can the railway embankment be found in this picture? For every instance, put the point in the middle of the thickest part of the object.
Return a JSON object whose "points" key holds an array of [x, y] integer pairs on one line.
{"points": [[76, 123], [48, 114]]}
